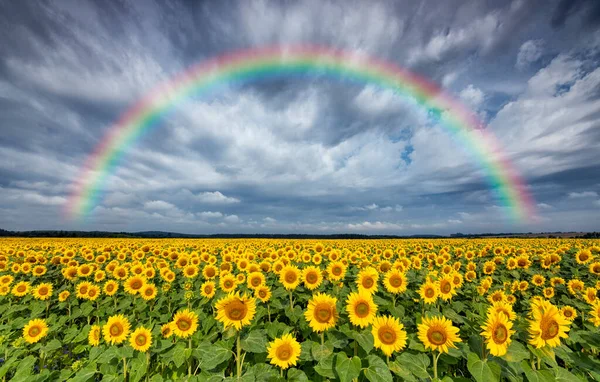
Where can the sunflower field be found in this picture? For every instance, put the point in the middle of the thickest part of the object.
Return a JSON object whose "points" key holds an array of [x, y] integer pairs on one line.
{"points": [[299, 310]]}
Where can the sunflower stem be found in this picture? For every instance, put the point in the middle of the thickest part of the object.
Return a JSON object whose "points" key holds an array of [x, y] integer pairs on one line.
{"points": [[124, 368], [322, 339], [291, 302], [190, 359], [355, 348], [539, 362], [435, 361], [269, 311], [238, 358]]}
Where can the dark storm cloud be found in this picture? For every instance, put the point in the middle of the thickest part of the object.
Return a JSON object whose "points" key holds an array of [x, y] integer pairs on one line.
{"points": [[304, 154]]}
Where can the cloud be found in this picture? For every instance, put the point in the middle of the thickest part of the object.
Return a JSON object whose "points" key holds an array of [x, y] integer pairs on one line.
{"points": [[210, 214], [158, 205], [472, 96], [529, 53], [215, 197], [544, 206], [583, 194]]}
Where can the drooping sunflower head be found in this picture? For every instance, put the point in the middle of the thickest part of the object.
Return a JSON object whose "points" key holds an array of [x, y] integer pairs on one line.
{"points": [[185, 323], [236, 310], [141, 339], [321, 313], [35, 330], [497, 332], [389, 334], [116, 329], [284, 351], [438, 333], [289, 276], [312, 277], [395, 281], [361, 308]]}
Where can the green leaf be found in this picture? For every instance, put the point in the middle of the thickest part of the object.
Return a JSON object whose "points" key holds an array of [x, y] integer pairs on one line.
{"points": [[535, 375], [377, 370], [212, 355], [480, 370], [296, 375], [24, 368], [179, 355], [401, 371], [417, 364], [364, 338], [255, 342], [263, 372], [85, 374], [516, 352], [347, 368], [563, 375], [52, 345], [320, 352], [325, 367], [139, 367]]}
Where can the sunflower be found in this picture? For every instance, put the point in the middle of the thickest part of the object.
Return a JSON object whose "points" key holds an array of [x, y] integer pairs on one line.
{"points": [[63, 296], [336, 271], [82, 289], [595, 314], [111, 287], [361, 308], [429, 292], [437, 333], [167, 330], [395, 281], [312, 277], [367, 280], [93, 292], [538, 280], [284, 351], [236, 310], [94, 335], [21, 288], [584, 256], [289, 277], [35, 330], [575, 286], [228, 283], [497, 332], [446, 288], [389, 334], [207, 289], [321, 313], [548, 326], [43, 291], [134, 284], [591, 295], [141, 339], [148, 291], [256, 279], [185, 323], [116, 329], [569, 313], [548, 292], [595, 268], [263, 293]]}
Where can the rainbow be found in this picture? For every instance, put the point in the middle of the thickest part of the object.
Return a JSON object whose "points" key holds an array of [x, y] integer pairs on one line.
{"points": [[255, 64]]}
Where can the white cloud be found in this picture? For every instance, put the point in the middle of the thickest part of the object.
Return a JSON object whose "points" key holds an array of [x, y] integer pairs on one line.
{"points": [[215, 197], [530, 52], [209, 214], [544, 206], [472, 96], [583, 194], [232, 219], [454, 221], [158, 205]]}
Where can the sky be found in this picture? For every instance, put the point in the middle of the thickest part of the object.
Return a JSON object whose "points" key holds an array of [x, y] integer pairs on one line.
{"points": [[308, 155]]}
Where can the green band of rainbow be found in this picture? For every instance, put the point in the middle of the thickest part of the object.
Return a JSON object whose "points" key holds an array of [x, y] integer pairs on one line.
{"points": [[255, 64]]}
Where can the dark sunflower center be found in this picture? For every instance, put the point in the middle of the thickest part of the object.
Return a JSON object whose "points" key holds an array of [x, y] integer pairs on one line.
{"points": [[396, 281], [262, 294], [236, 311], [116, 329], [141, 340], [549, 328], [43, 291], [136, 284], [445, 287], [255, 282], [368, 282], [184, 324], [34, 331], [312, 277], [336, 271], [208, 289], [500, 334], [284, 352], [386, 335], [290, 277], [323, 313], [210, 272], [228, 284], [21, 288], [429, 292], [362, 309], [436, 337]]}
